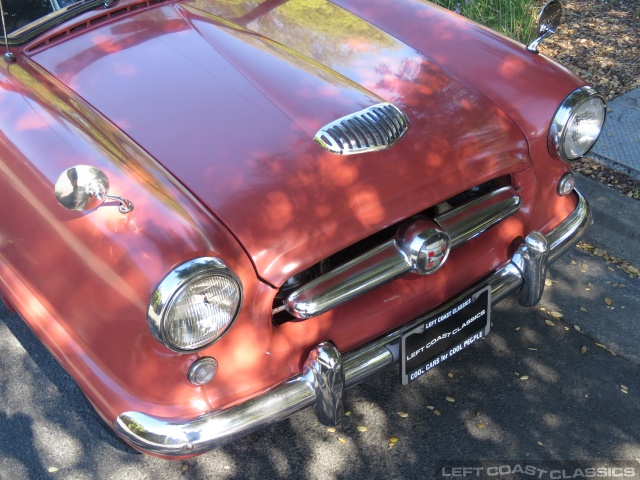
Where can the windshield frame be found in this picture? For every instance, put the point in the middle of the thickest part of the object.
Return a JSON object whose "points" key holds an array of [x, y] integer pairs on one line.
{"points": [[41, 25]]}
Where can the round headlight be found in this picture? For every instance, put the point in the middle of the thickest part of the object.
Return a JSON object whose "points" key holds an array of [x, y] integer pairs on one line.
{"points": [[577, 124], [194, 305]]}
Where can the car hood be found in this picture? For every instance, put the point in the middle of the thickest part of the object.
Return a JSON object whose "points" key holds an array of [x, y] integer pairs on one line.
{"points": [[229, 102]]}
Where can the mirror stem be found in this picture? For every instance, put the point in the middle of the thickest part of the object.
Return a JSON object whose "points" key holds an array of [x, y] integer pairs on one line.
{"points": [[125, 205], [533, 46]]}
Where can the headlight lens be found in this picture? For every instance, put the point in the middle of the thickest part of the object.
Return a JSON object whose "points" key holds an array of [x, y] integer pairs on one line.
{"points": [[577, 124], [583, 128], [194, 305]]}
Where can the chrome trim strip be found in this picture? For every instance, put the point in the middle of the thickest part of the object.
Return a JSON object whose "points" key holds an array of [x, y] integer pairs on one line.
{"points": [[562, 237], [190, 436], [390, 260], [362, 274], [473, 218]]}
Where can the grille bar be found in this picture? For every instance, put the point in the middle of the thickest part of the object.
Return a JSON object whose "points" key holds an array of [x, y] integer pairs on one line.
{"points": [[374, 128], [387, 261]]}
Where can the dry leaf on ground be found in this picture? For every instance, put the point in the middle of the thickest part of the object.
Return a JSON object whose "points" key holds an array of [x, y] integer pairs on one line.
{"points": [[606, 348], [599, 41]]}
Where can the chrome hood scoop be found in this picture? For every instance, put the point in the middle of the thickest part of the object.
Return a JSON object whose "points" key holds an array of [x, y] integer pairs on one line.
{"points": [[229, 102], [369, 130]]}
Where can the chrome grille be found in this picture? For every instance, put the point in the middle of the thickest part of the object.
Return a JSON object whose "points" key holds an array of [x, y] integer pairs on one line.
{"points": [[371, 129], [390, 259]]}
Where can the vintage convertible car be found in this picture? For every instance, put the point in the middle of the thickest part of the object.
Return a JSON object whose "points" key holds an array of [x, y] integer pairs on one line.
{"points": [[216, 213]]}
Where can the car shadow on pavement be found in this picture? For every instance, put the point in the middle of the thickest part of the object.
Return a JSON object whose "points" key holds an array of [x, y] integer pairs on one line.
{"points": [[17, 431], [44, 415]]}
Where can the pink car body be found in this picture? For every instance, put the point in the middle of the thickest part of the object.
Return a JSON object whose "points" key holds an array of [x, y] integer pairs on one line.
{"points": [[203, 115]]}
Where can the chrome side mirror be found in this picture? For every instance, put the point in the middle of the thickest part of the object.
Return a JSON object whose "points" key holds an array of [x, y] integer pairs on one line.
{"points": [[84, 188], [548, 22]]}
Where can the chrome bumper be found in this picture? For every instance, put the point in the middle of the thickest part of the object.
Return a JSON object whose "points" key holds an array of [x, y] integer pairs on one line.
{"points": [[327, 373]]}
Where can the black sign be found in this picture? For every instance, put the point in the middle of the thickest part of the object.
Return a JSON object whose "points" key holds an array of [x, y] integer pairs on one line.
{"points": [[444, 334]]}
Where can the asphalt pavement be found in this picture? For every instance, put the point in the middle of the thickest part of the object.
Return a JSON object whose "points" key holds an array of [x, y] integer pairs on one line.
{"points": [[554, 386], [619, 143]]}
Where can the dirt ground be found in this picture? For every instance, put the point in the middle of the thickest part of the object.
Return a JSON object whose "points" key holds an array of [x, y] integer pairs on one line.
{"points": [[600, 41]]}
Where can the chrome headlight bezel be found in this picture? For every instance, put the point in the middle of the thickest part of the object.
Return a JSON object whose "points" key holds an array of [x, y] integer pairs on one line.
{"points": [[171, 287], [563, 117]]}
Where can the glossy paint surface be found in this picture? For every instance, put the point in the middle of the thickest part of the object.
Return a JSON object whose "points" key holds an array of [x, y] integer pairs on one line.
{"points": [[83, 280], [203, 115], [529, 87], [232, 114]]}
